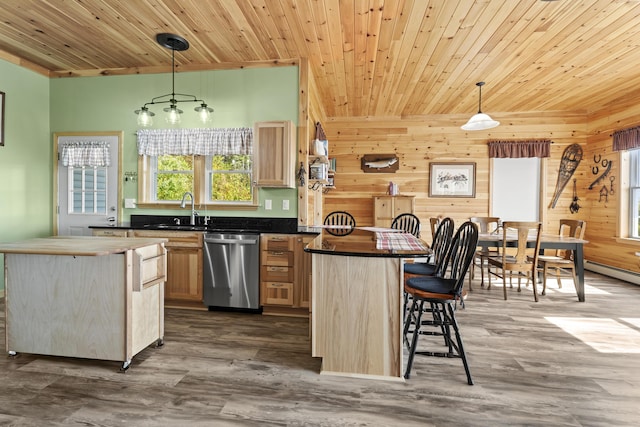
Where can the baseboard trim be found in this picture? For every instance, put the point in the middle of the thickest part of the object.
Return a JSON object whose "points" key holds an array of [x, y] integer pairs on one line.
{"points": [[618, 273]]}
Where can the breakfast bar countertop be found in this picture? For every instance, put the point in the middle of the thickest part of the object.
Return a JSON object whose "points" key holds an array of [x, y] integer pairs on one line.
{"points": [[369, 242]]}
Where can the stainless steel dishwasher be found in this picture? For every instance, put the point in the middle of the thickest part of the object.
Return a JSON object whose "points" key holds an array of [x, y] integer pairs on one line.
{"points": [[231, 270]]}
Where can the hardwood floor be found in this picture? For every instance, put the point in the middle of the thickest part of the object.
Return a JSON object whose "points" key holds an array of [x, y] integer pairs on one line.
{"points": [[228, 369]]}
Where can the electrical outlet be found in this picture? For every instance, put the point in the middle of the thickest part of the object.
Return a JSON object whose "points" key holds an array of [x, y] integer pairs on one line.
{"points": [[285, 205], [129, 203], [267, 204]]}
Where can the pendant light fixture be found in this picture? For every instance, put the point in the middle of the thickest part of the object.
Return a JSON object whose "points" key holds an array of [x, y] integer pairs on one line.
{"points": [[145, 116], [480, 121]]}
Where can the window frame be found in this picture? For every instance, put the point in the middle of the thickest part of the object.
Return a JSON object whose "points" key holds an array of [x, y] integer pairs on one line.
{"points": [[146, 181], [209, 171]]}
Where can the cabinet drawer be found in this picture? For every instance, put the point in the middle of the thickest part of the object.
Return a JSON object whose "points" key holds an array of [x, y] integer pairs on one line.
{"points": [[109, 233], [281, 258], [277, 242], [273, 273], [149, 266], [277, 293]]}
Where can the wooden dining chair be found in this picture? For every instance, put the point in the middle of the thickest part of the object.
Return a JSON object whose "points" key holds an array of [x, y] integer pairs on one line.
{"points": [[486, 224], [561, 262], [408, 223], [344, 221], [519, 254]]}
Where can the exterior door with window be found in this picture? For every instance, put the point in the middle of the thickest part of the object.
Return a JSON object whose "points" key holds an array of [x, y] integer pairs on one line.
{"points": [[88, 187]]}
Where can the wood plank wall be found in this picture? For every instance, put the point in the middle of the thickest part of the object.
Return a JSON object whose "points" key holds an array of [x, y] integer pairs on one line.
{"points": [[605, 246], [311, 112], [418, 141]]}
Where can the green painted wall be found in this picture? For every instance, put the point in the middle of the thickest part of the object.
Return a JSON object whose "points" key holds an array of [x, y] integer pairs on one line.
{"points": [[25, 158], [239, 98], [36, 107]]}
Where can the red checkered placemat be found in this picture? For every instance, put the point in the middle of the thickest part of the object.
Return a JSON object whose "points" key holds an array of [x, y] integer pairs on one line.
{"points": [[399, 241]]}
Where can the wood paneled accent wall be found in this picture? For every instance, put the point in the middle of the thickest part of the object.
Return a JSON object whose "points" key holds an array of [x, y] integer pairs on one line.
{"points": [[417, 141], [603, 227]]}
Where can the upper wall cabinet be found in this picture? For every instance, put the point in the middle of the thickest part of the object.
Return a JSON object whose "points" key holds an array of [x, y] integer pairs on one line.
{"points": [[275, 151]]}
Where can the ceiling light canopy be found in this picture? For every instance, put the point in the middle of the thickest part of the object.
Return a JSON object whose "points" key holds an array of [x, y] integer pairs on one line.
{"points": [[145, 116], [480, 121]]}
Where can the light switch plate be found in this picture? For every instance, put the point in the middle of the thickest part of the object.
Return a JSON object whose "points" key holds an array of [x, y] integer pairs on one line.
{"points": [[267, 204], [285, 205], [130, 203]]}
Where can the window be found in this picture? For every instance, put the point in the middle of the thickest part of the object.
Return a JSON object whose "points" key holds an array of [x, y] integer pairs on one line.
{"points": [[229, 178], [215, 165], [634, 193], [173, 176], [87, 190]]}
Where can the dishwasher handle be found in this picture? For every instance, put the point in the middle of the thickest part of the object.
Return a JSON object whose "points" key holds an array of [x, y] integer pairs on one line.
{"points": [[232, 241]]}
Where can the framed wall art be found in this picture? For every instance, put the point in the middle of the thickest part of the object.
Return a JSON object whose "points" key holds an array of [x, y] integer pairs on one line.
{"points": [[1, 118], [452, 179]]}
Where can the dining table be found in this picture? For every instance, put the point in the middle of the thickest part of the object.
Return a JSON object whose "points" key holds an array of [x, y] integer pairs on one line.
{"points": [[547, 241]]}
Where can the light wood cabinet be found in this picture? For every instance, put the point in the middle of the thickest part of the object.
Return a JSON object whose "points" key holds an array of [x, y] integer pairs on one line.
{"points": [[184, 263], [275, 153], [386, 208], [284, 274]]}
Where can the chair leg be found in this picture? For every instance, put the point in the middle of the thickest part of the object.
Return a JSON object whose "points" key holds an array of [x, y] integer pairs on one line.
{"points": [[454, 323], [544, 279], [414, 339], [535, 287], [558, 278], [504, 283]]}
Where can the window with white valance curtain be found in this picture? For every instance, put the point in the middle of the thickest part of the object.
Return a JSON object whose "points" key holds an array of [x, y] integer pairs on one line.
{"points": [[215, 164]]}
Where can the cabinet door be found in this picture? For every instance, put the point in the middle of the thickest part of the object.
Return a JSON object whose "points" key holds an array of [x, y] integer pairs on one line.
{"points": [[383, 211], [403, 204], [302, 267], [274, 154], [184, 274]]}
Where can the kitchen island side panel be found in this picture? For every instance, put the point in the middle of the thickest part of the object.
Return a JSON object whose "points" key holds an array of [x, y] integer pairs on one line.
{"points": [[357, 315], [66, 305]]}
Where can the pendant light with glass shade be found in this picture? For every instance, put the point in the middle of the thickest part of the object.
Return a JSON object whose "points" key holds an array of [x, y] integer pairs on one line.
{"points": [[145, 116], [480, 121]]}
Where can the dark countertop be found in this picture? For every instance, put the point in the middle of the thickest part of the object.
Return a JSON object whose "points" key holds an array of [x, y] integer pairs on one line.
{"points": [[215, 224], [358, 243]]}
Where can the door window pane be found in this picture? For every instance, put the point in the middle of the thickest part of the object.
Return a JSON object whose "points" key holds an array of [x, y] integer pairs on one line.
{"points": [[87, 190]]}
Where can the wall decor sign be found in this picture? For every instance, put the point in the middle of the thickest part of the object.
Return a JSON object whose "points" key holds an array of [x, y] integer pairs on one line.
{"points": [[452, 179], [1, 118], [379, 163]]}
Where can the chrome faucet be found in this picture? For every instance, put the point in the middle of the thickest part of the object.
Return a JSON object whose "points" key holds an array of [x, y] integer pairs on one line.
{"points": [[193, 209]]}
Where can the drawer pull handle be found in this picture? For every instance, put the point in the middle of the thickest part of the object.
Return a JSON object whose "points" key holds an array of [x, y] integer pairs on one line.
{"points": [[279, 253]]}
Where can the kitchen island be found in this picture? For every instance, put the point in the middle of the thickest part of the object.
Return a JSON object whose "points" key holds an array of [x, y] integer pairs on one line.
{"points": [[86, 297], [357, 300]]}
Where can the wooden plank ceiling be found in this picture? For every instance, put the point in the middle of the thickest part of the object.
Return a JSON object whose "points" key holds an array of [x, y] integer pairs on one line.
{"points": [[370, 57]]}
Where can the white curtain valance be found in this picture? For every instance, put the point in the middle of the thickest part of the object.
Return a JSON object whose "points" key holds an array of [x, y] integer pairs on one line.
{"points": [[204, 141], [85, 153]]}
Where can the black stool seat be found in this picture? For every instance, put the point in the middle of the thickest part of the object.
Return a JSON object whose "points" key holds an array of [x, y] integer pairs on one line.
{"points": [[421, 268], [427, 287]]}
